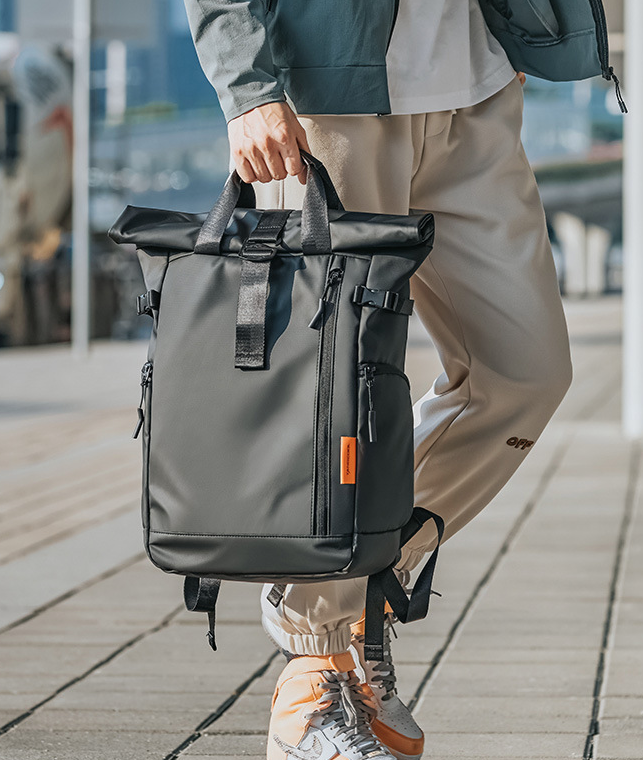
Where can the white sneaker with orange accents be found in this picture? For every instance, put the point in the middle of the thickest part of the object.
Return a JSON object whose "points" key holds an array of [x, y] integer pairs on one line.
{"points": [[320, 711], [393, 723]]}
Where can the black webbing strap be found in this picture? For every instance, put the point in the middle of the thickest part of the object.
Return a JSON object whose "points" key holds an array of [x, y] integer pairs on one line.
{"points": [[319, 197], [384, 586], [200, 595], [332, 198], [235, 193], [256, 254], [388, 300]]}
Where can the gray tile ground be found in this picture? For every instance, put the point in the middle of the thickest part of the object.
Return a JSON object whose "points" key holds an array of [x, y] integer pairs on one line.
{"points": [[507, 659]]}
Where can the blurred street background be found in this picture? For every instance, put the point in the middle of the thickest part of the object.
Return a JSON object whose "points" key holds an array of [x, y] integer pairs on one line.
{"points": [[535, 649], [158, 138]]}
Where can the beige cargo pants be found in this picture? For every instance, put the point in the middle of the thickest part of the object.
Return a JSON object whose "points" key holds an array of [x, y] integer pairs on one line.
{"points": [[487, 295]]}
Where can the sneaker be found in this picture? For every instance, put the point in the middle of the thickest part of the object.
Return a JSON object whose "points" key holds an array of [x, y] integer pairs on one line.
{"points": [[320, 711], [393, 724]]}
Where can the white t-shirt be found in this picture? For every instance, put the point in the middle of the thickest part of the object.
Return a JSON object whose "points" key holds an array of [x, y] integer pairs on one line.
{"points": [[443, 56]]}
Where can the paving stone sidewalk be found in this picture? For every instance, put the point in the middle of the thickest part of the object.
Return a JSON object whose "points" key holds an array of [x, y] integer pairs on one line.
{"points": [[535, 649]]}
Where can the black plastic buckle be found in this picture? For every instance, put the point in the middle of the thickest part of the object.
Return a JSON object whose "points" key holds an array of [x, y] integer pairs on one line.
{"points": [[147, 303], [255, 250], [382, 299]]}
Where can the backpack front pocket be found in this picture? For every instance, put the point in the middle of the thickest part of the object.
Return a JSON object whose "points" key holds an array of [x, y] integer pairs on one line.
{"points": [[384, 448]]}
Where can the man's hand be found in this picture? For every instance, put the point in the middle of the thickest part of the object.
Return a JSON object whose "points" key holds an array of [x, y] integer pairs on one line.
{"points": [[265, 143]]}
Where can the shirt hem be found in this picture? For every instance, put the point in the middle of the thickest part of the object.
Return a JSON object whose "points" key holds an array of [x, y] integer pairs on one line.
{"points": [[454, 100]]}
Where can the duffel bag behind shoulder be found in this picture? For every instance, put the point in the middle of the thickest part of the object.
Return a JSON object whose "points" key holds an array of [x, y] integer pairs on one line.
{"points": [[276, 414]]}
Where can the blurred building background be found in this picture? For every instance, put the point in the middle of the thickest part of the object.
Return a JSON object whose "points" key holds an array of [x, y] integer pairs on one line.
{"points": [[158, 138]]}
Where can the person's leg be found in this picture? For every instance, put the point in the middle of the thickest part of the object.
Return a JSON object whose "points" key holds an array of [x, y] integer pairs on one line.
{"points": [[370, 160], [488, 295]]}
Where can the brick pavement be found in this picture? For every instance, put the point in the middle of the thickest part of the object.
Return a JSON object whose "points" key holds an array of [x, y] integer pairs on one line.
{"points": [[534, 651]]}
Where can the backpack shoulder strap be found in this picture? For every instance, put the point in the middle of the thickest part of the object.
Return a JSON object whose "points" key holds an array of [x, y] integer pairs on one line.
{"points": [[384, 586]]}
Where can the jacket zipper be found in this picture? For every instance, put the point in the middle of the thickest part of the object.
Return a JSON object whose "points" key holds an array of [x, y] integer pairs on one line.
{"points": [[146, 379], [603, 50], [367, 373], [325, 320]]}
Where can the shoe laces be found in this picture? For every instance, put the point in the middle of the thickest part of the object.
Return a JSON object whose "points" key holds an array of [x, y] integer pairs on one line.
{"points": [[384, 671], [345, 708]]}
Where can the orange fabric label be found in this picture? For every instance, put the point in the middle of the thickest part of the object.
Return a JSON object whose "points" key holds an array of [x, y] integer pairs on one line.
{"points": [[349, 451]]}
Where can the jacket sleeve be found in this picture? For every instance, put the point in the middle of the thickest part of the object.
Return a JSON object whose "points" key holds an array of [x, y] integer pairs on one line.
{"points": [[231, 42]]}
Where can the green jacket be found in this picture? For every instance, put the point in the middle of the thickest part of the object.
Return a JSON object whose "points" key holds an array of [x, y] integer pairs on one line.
{"points": [[329, 55]]}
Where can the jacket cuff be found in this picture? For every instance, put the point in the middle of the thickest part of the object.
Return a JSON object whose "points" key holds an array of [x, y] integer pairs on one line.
{"points": [[243, 106]]}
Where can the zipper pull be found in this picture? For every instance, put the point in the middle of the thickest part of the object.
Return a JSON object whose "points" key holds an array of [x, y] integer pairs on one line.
{"points": [[146, 375], [317, 321], [611, 76], [369, 377], [334, 276]]}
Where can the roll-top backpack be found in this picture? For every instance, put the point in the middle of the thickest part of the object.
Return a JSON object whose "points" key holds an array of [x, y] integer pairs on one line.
{"points": [[275, 414]]}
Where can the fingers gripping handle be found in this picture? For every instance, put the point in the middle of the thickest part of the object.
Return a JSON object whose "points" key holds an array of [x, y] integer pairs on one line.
{"points": [[320, 195]]}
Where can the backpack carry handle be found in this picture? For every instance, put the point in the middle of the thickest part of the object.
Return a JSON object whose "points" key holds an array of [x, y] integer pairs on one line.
{"points": [[320, 195]]}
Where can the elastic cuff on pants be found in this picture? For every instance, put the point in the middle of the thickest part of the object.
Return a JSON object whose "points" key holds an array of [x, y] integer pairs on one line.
{"points": [[332, 642]]}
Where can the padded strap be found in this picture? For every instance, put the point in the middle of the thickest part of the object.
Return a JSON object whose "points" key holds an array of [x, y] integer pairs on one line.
{"points": [[256, 254], [388, 300], [384, 586], [200, 595]]}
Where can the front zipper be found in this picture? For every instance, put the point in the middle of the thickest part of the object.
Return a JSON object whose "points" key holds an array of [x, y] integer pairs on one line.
{"points": [[598, 11], [146, 379], [332, 280], [325, 320], [367, 372]]}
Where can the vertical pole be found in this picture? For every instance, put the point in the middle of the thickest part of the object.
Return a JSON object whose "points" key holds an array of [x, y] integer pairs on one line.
{"points": [[80, 267], [633, 224], [115, 81]]}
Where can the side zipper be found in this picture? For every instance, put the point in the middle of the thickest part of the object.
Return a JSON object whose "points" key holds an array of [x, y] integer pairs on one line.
{"points": [[146, 379], [603, 51], [325, 319], [367, 373]]}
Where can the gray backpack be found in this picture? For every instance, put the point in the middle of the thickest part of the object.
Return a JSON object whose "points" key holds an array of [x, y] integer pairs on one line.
{"points": [[276, 415]]}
